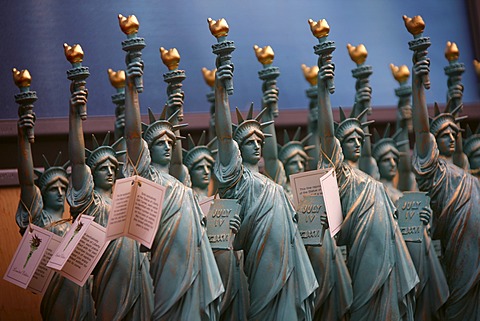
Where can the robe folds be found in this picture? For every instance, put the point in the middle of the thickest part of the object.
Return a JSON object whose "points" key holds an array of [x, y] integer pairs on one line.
{"points": [[122, 286], [281, 280], [382, 271], [455, 201], [63, 299], [186, 280]]}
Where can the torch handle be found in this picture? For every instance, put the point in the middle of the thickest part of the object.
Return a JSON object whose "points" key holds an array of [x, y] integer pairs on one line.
{"points": [[225, 59], [136, 55], [76, 86], [25, 110], [326, 58], [272, 105]]}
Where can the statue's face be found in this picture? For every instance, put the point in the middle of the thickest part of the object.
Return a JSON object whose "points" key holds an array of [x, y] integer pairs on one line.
{"points": [[387, 166], [295, 164], [251, 149], [161, 150], [104, 175], [54, 195], [474, 160], [201, 173], [352, 146], [446, 142]]}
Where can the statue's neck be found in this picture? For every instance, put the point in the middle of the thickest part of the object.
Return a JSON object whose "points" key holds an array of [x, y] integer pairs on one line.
{"points": [[201, 192], [106, 193], [162, 168], [57, 214], [251, 167], [387, 182], [448, 159], [353, 164]]}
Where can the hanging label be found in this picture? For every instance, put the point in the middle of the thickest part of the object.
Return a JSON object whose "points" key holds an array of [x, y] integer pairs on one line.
{"points": [[409, 207], [306, 183], [331, 197], [28, 256], [80, 250], [218, 223], [136, 210]]}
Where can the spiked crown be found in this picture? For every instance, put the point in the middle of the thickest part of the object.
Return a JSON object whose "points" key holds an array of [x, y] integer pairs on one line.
{"points": [[350, 125], [161, 126], [198, 152], [472, 143], [293, 147], [52, 173], [386, 144], [101, 153], [249, 126], [446, 119]]}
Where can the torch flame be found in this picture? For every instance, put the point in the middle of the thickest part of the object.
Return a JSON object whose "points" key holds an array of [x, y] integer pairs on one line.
{"points": [[414, 25], [21, 78], [209, 76], [129, 25], [358, 54], [74, 53], [319, 29], [451, 51], [170, 58], [310, 74], [218, 28], [264, 55], [401, 73], [117, 78]]}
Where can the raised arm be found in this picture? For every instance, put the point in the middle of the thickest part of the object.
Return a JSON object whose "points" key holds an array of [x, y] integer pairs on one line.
{"points": [[223, 118], [270, 149], [133, 123], [25, 160], [421, 124], [76, 141], [326, 129]]}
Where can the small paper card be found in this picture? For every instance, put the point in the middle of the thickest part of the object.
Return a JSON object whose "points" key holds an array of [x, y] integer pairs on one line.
{"points": [[408, 211], [331, 197], [306, 183], [309, 223], [136, 210], [80, 250], [28, 256], [43, 275], [205, 204], [218, 223]]}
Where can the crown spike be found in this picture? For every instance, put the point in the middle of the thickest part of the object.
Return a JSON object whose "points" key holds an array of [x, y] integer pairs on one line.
{"points": [[286, 137], [106, 139], [360, 116], [457, 119], [117, 143], [179, 126], [201, 140], [397, 133], [239, 116], [250, 111], [306, 138], [210, 143], [403, 142], [342, 114], [164, 112], [267, 135], [57, 160], [65, 166], [151, 116], [191, 143], [172, 116], [376, 135], [457, 109], [45, 162], [296, 136], [469, 131], [260, 114], [95, 142], [387, 131], [308, 147], [367, 123], [265, 124], [436, 110]]}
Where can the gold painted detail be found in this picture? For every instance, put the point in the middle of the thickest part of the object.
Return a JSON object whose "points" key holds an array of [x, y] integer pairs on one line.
{"points": [[401, 73], [264, 55], [310, 74], [129, 25], [170, 58], [218, 28], [414, 25], [21, 78], [209, 76], [117, 78], [358, 54], [74, 54], [320, 28], [451, 51]]}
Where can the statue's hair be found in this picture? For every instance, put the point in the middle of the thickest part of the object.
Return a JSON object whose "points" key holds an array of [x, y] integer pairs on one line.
{"points": [[249, 126], [294, 146], [198, 152], [349, 125], [160, 127], [442, 121], [100, 153], [51, 173]]}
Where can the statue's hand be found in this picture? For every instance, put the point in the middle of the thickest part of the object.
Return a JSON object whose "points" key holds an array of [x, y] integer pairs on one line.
{"points": [[455, 91], [363, 93], [326, 72], [421, 65], [270, 97], [27, 120], [224, 72], [79, 98], [324, 220], [120, 121], [235, 223], [175, 101], [134, 68], [425, 215]]}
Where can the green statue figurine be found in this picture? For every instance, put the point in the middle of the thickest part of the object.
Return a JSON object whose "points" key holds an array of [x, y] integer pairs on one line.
{"points": [[454, 194], [186, 280], [42, 202], [472, 150], [432, 292], [281, 279], [122, 288], [383, 275]]}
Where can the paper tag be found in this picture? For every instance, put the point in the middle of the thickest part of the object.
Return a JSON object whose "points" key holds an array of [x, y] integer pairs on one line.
{"points": [[136, 210], [306, 183], [408, 212], [86, 255], [70, 242], [43, 275], [331, 197], [28, 256], [218, 222], [309, 223]]}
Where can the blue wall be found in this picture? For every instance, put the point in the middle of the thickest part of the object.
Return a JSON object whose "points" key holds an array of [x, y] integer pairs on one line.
{"points": [[34, 31]]}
